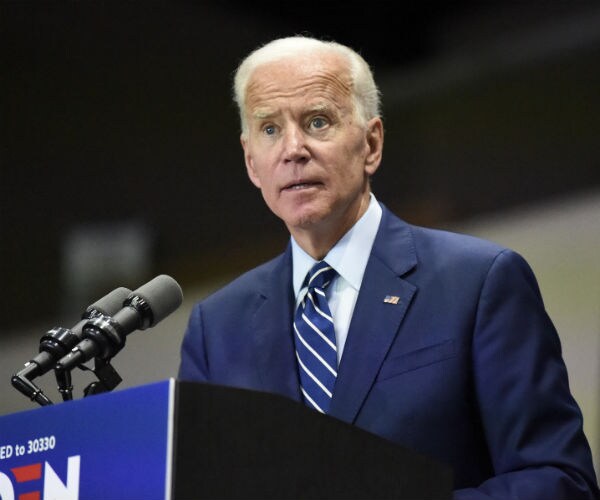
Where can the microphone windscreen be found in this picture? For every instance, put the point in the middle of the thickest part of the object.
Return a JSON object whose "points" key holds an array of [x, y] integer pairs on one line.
{"points": [[110, 303], [162, 294]]}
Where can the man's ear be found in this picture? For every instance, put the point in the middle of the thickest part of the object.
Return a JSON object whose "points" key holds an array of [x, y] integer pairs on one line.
{"points": [[374, 138], [249, 162]]}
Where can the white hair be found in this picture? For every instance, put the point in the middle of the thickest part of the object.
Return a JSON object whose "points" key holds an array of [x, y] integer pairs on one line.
{"points": [[365, 94]]}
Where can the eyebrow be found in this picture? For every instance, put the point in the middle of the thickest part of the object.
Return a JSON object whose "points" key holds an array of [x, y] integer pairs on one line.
{"points": [[318, 108], [262, 114]]}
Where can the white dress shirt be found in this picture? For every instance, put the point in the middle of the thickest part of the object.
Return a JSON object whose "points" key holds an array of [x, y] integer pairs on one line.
{"points": [[349, 258]]}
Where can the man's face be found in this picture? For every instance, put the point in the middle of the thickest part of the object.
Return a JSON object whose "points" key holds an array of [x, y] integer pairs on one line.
{"points": [[305, 147]]}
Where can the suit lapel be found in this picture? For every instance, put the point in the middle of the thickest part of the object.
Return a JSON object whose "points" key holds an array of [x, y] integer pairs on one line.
{"points": [[272, 330], [375, 323]]}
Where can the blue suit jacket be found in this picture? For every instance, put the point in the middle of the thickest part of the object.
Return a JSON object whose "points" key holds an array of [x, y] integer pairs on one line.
{"points": [[466, 368]]}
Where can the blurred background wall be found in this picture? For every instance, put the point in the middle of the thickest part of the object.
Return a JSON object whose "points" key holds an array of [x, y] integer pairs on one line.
{"points": [[120, 156]]}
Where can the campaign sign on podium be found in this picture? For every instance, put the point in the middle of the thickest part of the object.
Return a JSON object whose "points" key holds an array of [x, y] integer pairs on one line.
{"points": [[183, 440], [109, 446]]}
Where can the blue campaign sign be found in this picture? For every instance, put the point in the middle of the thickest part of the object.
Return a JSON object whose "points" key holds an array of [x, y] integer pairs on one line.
{"points": [[113, 446]]}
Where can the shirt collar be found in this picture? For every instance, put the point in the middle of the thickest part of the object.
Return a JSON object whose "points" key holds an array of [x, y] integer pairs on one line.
{"points": [[350, 254]]}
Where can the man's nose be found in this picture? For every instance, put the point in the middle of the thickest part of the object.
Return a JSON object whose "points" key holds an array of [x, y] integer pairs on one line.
{"points": [[294, 146]]}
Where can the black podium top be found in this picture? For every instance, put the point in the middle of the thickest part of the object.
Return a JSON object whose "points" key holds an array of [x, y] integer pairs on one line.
{"points": [[236, 443]]}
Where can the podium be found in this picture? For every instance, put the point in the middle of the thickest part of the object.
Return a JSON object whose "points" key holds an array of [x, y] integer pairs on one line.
{"points": [[183, 440]]}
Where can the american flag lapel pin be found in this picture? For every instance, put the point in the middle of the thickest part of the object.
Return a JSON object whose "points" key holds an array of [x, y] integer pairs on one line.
{"points": [[391, 299]]}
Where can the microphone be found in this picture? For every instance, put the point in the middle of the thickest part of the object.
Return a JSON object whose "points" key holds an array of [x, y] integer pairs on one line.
{"points": [[104, 336], [59, 341]]}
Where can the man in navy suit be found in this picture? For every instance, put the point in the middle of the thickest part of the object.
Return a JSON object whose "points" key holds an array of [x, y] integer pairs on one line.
{"points": [[443, 344]]}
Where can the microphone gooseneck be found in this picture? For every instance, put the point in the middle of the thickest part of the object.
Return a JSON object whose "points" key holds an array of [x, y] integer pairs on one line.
{"points": [[56, 342]]}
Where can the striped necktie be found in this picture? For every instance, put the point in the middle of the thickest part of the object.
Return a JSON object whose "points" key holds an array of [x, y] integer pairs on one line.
{"points": [[315, 340]]}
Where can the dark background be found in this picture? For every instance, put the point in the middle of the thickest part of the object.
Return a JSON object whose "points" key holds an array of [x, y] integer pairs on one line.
{"points": [[121, 111]]}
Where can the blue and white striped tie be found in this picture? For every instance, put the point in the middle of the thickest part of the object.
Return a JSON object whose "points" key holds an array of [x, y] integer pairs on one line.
{"points": [[314, 335]]}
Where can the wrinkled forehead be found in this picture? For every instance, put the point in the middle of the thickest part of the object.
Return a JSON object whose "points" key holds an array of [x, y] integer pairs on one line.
{"points": [[322, 79]]}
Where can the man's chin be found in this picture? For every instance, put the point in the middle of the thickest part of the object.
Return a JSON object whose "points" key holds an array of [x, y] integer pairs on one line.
{"points": [[304, 221]]}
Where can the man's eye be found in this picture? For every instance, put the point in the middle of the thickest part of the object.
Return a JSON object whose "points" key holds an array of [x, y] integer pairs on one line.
{"points": [[269, 130], [318, 122]]}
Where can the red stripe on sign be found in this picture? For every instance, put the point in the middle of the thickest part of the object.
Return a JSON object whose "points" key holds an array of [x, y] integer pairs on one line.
{"points": [[34, 495], [27, 472]]}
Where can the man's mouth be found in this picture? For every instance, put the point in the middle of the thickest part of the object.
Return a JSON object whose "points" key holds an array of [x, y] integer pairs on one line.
{"points": [[296, 186]]}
